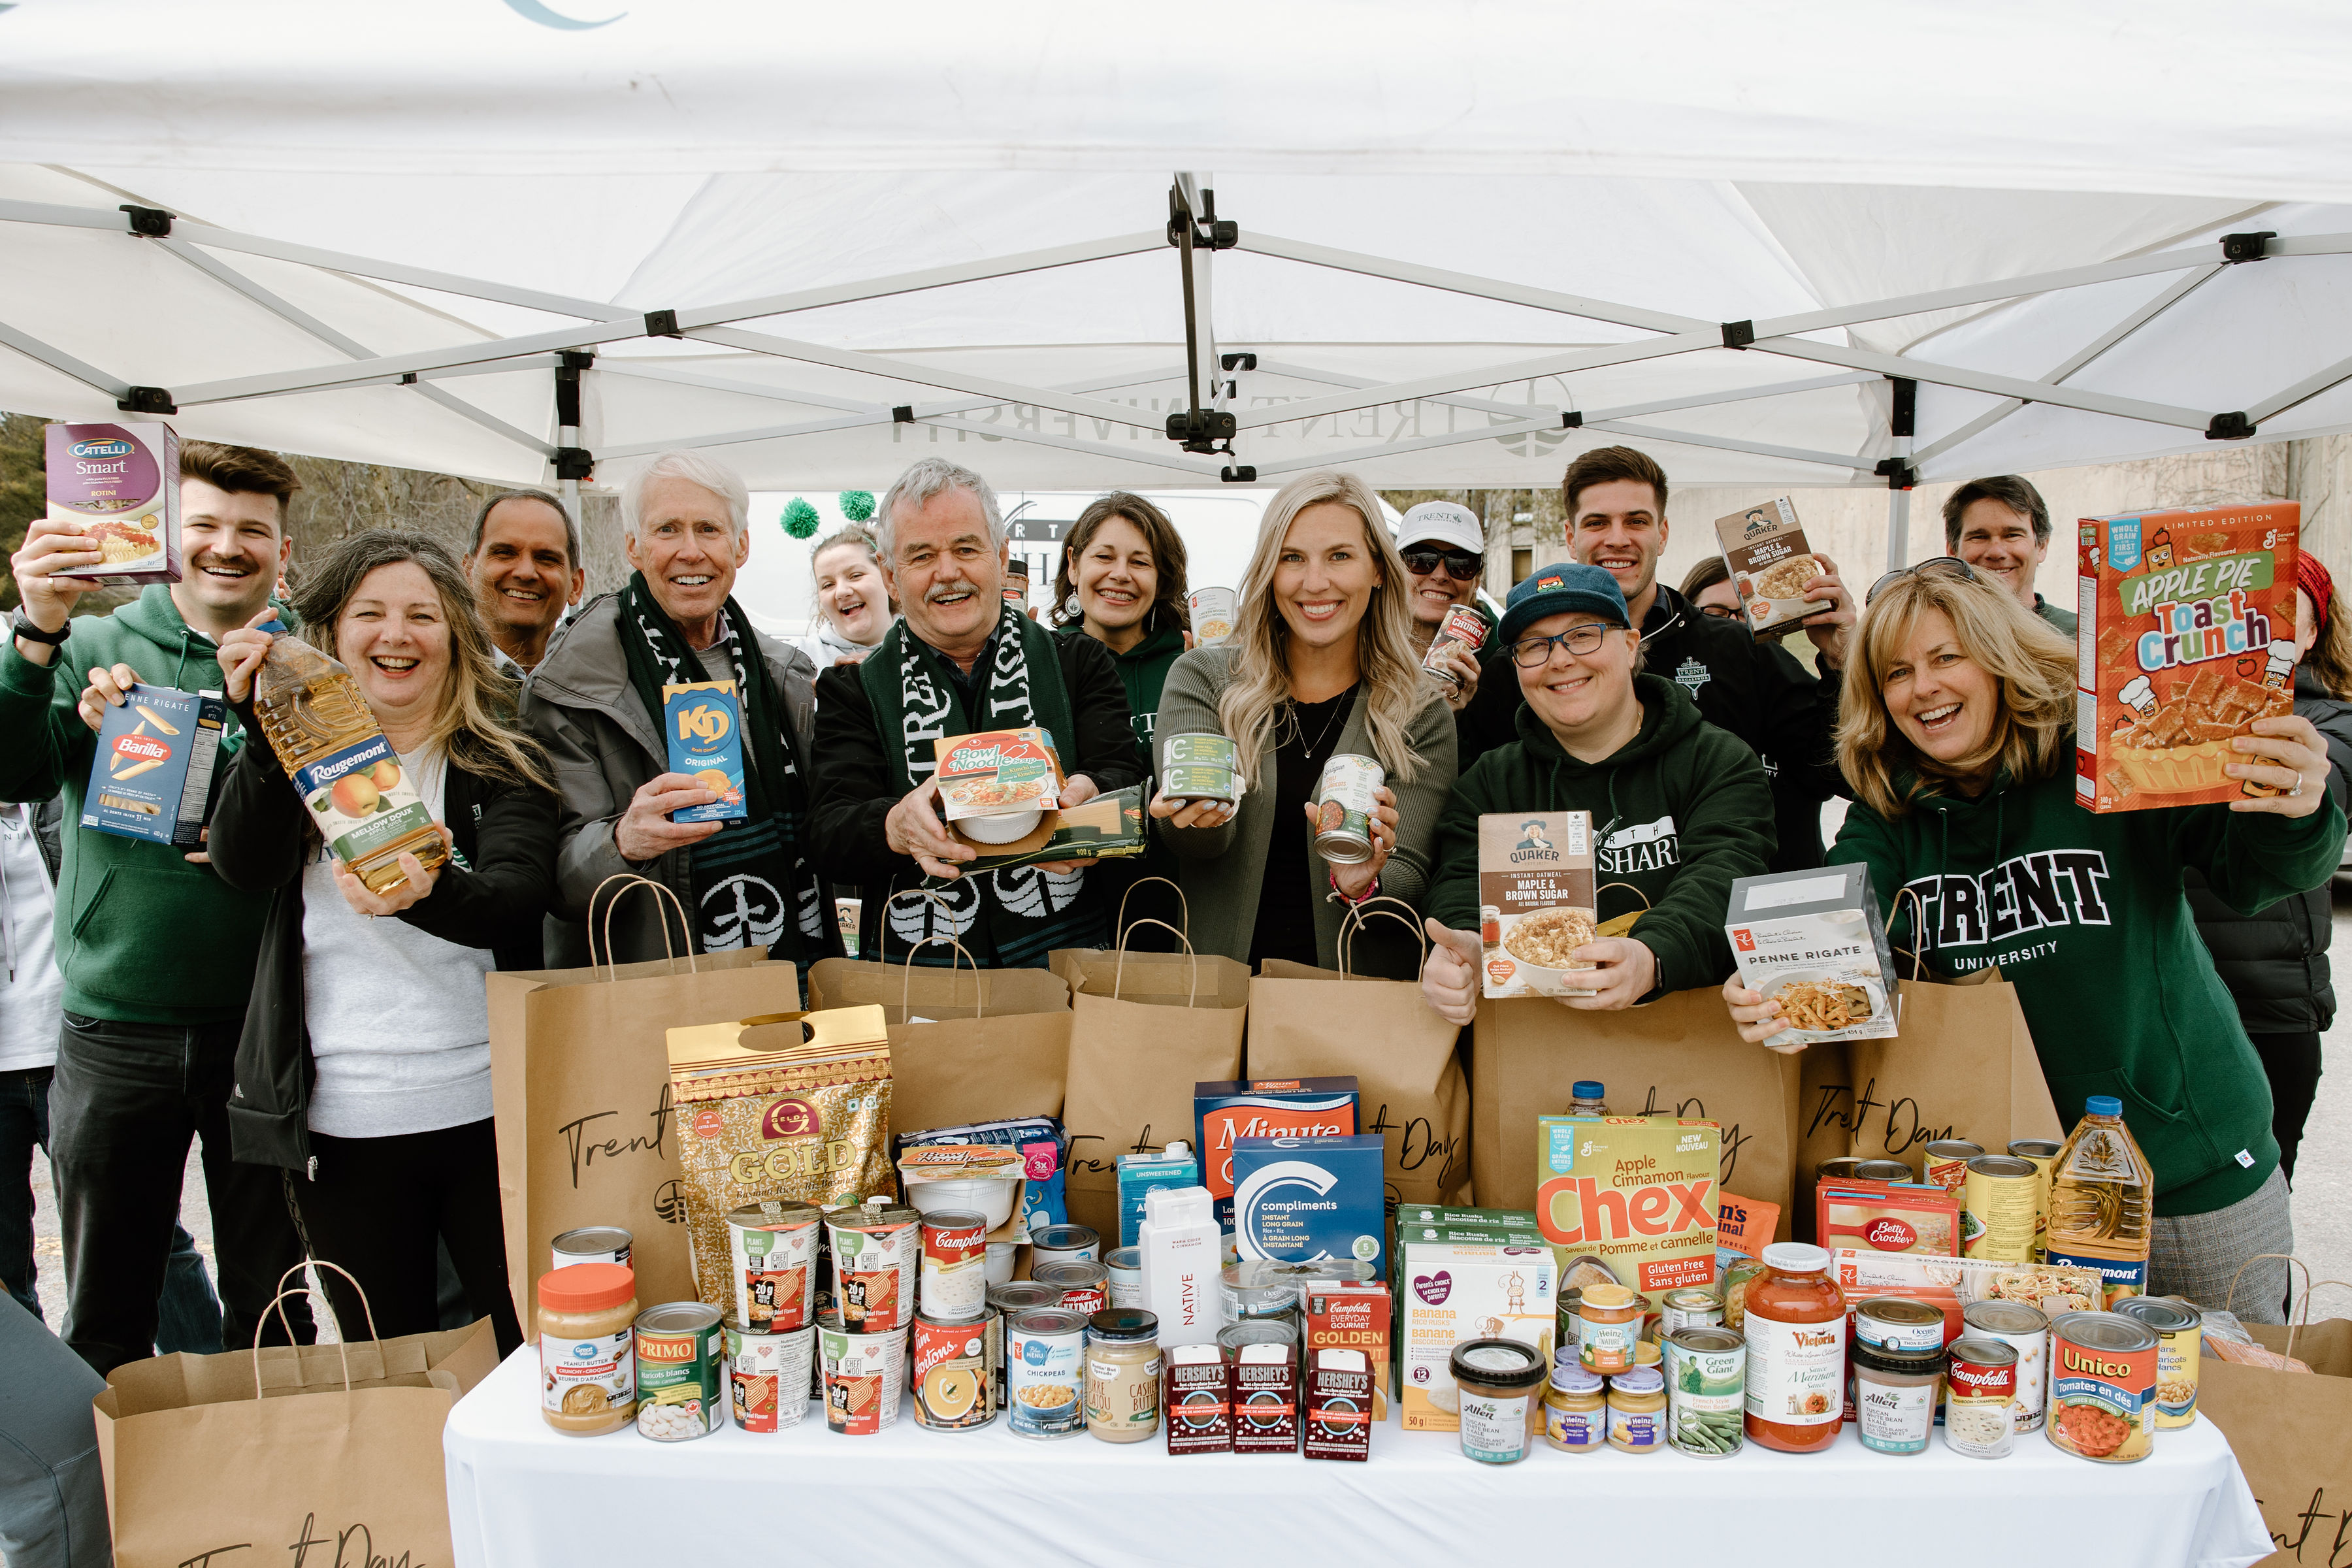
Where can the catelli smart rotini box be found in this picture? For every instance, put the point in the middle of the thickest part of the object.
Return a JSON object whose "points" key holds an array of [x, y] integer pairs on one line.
{"points": [[2186, 636], [152, 777], [118, 486]]}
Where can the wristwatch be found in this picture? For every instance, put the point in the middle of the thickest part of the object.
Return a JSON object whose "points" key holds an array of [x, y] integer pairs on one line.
{"points": [[21, 624]]}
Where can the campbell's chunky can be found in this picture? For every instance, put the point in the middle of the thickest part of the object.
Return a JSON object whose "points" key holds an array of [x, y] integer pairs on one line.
{"points": [[1463, 627], [955, 1263], [1344, 803], [1085, 1286]]}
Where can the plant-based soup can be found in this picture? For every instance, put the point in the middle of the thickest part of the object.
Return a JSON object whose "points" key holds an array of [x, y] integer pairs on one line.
{"points": [[1997, 1208], [773, 1254], [1706, 1389], [1045, 1355], [1344, 803], [679, 1348], [2180, 1336], [877, 1249], [1212, 611], [2102, 1382], [865, 1374], [591, 1244], [1198, 766], [768, 1376]]}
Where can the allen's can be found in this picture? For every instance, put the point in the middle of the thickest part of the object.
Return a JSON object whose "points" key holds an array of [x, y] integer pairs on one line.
{"points": [[1706, 1388], [2180, 1336], [955, 1265], [1211, 612], [2102, 1386], [1045, 1351], [1463, 627], [772, 1246], [1344, 803], [768, 1376], [2023, 1328], [679, 1347], [1997, 1209], [591, 1244], [1945, 1163], [877, 1247], [1084, 1285], [954, 1372], [2041, 1153]]}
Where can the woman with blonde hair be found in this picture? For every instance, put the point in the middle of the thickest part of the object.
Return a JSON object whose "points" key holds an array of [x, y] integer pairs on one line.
{"points": [[1320, 664], [854, 607], [364, 1067], [1956, 730]]}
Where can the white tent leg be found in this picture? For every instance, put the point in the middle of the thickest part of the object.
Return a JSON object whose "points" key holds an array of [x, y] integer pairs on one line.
{"points": [[1898, 528]]}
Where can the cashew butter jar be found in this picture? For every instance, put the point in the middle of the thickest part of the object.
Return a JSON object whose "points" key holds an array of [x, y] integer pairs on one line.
{"points": [[587, 1352], [1123, 1374]]}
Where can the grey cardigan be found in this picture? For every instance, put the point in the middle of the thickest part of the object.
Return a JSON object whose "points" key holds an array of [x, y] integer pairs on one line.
{"points": [[1221, 868]]}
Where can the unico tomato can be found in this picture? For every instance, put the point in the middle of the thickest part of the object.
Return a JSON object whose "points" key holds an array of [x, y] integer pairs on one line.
{"points": [[2102, 1386]]}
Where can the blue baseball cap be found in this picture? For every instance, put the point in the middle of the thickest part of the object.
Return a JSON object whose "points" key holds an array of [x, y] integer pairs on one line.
{"points": [[1556, 590]]}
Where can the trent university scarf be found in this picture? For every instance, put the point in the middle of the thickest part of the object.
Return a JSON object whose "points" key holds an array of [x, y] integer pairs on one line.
{"points": [[1014, 916], [752, 884]]}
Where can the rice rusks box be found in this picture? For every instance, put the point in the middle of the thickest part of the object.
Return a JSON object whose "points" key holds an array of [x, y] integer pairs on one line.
{"points": [[118, 486], [2185, 635], [1815, 941], [1764, 550], [1448, 1291], [1638, 1193], [1537, 904]]}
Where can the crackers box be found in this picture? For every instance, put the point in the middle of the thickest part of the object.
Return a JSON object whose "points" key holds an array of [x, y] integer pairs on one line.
{"points": [[1638, 1193], [1764, 550], [1448, 1291], [705, 727], [119, 485], [1815, 939], [152, 776], [2185, 637], [1535, 901], [1299, 1199], [1224, 1114]]}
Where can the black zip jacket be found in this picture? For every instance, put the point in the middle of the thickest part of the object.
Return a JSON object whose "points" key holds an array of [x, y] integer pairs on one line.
{"points": [[505, 839], [1755, 689]]}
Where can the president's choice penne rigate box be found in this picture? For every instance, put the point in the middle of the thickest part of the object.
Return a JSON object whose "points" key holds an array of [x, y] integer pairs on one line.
{"points": [[1815, 941]]}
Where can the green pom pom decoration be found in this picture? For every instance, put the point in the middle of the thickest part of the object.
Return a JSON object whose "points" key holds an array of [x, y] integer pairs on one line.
{"points": [[800, 519], [857, 505]]}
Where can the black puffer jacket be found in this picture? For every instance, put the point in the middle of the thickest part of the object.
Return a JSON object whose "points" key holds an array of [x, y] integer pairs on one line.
{"points": [[2274, 961]]}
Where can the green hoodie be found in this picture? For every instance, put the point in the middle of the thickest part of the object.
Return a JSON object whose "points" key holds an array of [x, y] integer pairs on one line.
{"points": [[1143, 671], [1680, 810], [2085, 914], [142, 935]]}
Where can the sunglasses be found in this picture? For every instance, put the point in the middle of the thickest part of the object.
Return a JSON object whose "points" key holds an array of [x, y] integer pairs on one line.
{"points": [[1935, 566], [1460, 564]]}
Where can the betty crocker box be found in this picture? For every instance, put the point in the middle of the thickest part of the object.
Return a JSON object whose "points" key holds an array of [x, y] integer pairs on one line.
{"points": [[2186, 637]]}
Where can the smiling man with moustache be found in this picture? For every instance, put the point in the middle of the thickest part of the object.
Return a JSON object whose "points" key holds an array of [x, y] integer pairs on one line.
{"points": [[960, 659], [524, 566], [157, 953], [594, 702]]}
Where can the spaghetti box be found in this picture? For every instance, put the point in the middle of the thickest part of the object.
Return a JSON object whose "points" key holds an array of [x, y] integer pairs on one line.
{"points": [[1300, 1199], [1815, 941], [1340, 1396], [705, 726], [2184, 637], [118, 486], [152, 777], [1224, 1114], [1765, 552]]}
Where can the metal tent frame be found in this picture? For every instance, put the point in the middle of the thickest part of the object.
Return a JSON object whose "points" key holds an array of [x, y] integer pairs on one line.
{"points": [[1209, 426]]}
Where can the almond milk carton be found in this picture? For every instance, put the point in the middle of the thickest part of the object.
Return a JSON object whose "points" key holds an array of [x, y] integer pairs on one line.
{"points": [[1452, 1291]]}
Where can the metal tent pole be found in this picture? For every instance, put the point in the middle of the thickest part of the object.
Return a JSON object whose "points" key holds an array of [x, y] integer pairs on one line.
{"points": [[1902, 424]]}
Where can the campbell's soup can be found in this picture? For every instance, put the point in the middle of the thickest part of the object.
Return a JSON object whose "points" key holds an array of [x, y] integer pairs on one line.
{"points": [[591, 1244], [1981, 1410], [1344, 803], [1084, 1285], [1997, 1208], [2180, 1337], [768, 1376], [877, 1247], [1212, 611], [1461, 625], [954, 1372], [955, 1263], [2024, 1329], [772, 1248], [2103, 1382], [1945, 1163]]}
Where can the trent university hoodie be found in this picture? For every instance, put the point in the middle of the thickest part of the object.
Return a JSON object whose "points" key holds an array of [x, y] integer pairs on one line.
{"points": [[1679, 811], [2085, 914]]}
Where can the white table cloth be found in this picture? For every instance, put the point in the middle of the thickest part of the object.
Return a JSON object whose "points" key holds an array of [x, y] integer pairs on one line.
{"points": [[522, 1494]]}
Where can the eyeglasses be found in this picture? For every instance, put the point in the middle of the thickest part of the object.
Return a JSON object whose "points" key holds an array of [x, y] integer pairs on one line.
{"points": [[1937, 565], [1718, 612], [1534, 653], [1460, 564]]}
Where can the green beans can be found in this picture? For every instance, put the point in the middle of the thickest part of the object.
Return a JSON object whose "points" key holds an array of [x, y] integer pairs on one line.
{"points": [[1706, 1386]]}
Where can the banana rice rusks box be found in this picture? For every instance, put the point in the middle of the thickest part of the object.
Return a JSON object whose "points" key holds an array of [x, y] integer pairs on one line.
{"points": [[1638, 1193]]}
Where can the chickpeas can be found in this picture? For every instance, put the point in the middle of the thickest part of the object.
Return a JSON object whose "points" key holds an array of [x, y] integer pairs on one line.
{"points": [[2180, 1336], [1706, 1391], [1045, 1356], [2102, 1383], [679, 1346], [1344, 803]]}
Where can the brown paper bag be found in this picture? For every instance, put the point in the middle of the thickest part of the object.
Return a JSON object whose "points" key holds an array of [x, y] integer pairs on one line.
{"points": [[1317, 1023], [1679, 1056], [579, 1087], [1961, 1065], [1144, 1028], [2287, 1430], [318, 1453], [995, 1043]]}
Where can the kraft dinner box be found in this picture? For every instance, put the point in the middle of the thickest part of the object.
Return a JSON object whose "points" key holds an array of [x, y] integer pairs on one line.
{"points": [[706, 742]]}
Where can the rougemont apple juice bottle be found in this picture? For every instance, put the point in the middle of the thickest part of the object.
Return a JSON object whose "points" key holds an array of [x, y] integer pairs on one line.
{"points": [[361, 799]]}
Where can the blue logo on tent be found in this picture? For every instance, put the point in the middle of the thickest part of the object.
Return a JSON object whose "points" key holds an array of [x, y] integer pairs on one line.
{"points": [[533, 11]]}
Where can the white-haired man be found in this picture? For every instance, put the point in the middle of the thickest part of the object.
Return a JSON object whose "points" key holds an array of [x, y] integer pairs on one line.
{"points": [[960, 659], [595, 703]]}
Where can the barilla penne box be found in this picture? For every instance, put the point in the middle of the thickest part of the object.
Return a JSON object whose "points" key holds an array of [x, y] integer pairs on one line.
{"points": [[705, 726], [118, 486], [1448, 1291], [1638, 1193], [152, 775], [1815, 941], [1224, 1114], [2185, 637], [1764, 550], [1536, 901]]}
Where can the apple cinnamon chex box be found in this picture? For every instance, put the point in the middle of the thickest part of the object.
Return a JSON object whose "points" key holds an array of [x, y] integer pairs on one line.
{"points": [[2186, 636]]}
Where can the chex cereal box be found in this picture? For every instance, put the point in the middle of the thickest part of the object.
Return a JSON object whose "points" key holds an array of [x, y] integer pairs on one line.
{"points": [[1815, 941], [1764, 550], [1636, 1192], [152, 777], [705, 726], [2186, 636], [1224, 1114], [119, 486], [1536, 901]]}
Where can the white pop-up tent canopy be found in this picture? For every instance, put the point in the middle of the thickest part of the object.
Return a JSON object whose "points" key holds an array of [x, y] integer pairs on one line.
{"points": [[1444, 245]]}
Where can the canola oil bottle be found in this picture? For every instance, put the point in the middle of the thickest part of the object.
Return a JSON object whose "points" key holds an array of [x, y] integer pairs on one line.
{"points": [[2103, 1201], [361, 799]]}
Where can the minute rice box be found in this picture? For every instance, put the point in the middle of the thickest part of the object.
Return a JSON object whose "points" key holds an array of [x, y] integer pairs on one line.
{"points": [[1536, 901], [2185, 637], [1636, 1192]]}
